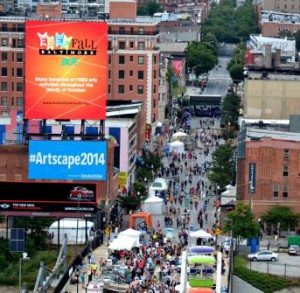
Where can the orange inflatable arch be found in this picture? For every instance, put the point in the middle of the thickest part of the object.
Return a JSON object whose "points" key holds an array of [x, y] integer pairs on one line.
{"points": [[146, 216]]}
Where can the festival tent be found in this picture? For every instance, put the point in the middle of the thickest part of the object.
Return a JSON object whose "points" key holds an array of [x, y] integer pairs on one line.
{"points": [[179, 134], [200, 234], [122, 243], [134, 234], [154, 205], [158, 185], [176, 147]]}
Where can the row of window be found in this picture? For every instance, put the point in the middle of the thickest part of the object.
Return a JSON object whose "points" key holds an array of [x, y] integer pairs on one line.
{"points": [[19, 57], [19, 102], [122, 30], [122, 45], [4, 86], [19, 72], [140, 74], [16, 43], [141, 59], [140, 90], [285, 192]]}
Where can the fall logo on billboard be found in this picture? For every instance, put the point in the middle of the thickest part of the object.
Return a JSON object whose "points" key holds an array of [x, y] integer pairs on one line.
{"points": [[61, 44]]}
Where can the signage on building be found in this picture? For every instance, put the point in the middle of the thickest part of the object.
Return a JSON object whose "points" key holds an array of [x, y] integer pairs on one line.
{"points": [[65, 70], [48, 197], [252, 175], [67, 160]]}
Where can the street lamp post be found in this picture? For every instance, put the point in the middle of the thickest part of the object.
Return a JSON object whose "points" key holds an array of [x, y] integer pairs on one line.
{"points": [[24, 258]]}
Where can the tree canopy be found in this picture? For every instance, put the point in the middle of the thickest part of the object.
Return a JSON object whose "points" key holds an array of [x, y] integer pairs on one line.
{"points": [[283, 215], [222, 169], [230, 24], [242, 223], [149, 8], [202, 56], [230, 108]]}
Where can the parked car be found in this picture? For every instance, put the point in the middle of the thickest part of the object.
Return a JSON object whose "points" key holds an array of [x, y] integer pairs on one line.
{"points": [[294, 250], [263, 255], [81, 192]]}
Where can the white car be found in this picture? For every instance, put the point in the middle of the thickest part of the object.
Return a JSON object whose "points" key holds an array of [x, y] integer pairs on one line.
{"points": [[263, 255]]}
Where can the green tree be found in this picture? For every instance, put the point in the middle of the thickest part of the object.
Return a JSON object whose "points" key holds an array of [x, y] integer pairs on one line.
{"points": [[130, 203], [149, 8], [230, 108], [241, 223], [297, 38], [236, 72], [222, 170], [201, 57], [281, 217]]}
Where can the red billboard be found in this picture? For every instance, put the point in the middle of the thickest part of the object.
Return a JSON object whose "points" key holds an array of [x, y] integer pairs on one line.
{"points": [[65, 70]]}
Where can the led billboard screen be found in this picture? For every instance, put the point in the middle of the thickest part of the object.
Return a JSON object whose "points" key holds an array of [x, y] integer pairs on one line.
{"points": [[48, 197], [65, 70], [67, 160]]}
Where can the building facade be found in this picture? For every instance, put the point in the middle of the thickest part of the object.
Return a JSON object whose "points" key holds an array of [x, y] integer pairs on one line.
{"points": [[133, 58], [269, 173], [282, 5]]}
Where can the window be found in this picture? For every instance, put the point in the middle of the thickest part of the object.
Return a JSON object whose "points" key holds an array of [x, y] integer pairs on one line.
{"points": [[109, 88], [109, 74], [20, 102], [121, 59], [154, 103], [19, 57], [4, 56], [109, 59], [19, 72], [131, 30], [141, 31], [13, 71], [285, 171], [275, 190], [131, 73], [121, 89], [122, 45], [141, 46], [4, 71], [4, 42], [131, 88], [12, 86], [4, 27], [3, 101], [122, 30], [154, 89], [121, 74], [140, 89], [141, 60], [140, 74], [19, 86], [131, 44], [131, 58], [286, 154], [109, 45], [154, 74], [12, 101], [154, 59], [20, 43], [285, 192], [4, 86]]}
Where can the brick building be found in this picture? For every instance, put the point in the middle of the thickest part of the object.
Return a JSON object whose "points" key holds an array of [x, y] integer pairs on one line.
{"points": [[268, 172], [282, 5]]}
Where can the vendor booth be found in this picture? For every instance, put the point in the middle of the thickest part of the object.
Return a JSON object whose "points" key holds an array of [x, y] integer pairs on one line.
{"points": [[154, 205], [122, 243], [176, 147], [158, 188], [131, 233], [179, 136]]}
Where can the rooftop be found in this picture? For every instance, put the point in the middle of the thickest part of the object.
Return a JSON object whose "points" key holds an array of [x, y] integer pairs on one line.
{"points": [[282, 17], [278, 135]]}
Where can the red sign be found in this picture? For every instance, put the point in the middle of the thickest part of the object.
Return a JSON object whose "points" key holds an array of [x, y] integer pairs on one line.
{"points": [[65, 70]]}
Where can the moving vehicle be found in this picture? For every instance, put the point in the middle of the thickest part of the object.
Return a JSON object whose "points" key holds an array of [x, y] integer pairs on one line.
{"points": [[81, 192], [263, 255], [294, 250]]}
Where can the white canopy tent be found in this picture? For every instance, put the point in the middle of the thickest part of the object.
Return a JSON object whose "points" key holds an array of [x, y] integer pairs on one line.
{"points": [[131, 233], [122, 243], [200, 234], [176, 147], [179, 134], [76, 230], [158, 185], [154, 205]]}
